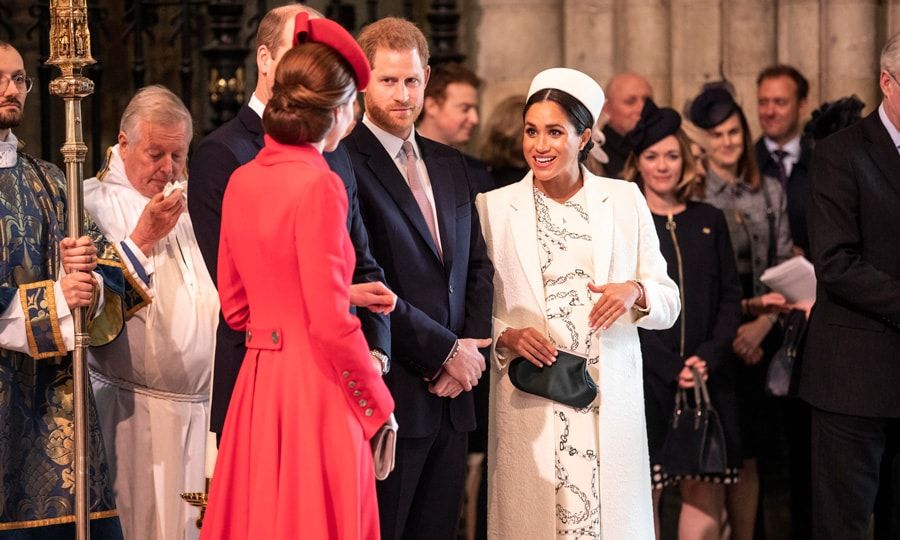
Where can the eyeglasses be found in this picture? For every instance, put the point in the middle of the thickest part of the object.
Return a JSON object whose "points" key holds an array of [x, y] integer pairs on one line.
{"points": [[22, 82]]}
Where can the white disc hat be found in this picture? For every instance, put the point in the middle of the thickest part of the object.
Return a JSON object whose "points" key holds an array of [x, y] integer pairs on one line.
{"points": [[573, 82]]}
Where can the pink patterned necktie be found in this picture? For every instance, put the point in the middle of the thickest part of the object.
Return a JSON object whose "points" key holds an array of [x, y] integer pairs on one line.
{"points": [[418, 191]]}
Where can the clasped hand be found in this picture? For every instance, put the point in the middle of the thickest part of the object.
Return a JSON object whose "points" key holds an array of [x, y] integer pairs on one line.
{"points": [[686, 375], [374, 296], [462, 372], [78, 258], [749, 336]]}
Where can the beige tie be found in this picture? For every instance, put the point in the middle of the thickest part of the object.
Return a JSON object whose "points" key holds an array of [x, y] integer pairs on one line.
{"points": [[418, 191]]}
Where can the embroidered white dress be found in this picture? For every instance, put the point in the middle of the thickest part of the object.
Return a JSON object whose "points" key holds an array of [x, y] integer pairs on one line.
{"points": [[564, 250], [152, 383]]}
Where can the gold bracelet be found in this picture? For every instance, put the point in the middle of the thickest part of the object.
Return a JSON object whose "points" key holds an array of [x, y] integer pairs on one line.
{"points": [[640, 289]]}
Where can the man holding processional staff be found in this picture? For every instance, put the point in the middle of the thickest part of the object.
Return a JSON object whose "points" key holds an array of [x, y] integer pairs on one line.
{"points": [[44, 277]]}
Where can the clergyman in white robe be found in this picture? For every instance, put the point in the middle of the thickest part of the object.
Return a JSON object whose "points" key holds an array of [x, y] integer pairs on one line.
{"points": [[152, 383]]}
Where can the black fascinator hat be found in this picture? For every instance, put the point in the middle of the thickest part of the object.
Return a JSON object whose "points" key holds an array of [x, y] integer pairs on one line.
{"points": [[713, 106], [834, 116], [654, 125]]}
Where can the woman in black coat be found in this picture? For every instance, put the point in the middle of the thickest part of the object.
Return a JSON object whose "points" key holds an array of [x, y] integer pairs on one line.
{"points": [[694, 239]]}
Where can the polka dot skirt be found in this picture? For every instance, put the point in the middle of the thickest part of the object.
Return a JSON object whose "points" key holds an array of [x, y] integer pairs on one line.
{"points": [[660, 479]]}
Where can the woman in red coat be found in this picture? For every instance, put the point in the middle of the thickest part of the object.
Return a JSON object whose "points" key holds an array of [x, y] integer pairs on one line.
{"points": [[295, 460]]}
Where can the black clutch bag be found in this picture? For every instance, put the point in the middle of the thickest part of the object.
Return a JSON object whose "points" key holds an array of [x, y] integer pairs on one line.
{"points": [[566, 381], [695, 443]]}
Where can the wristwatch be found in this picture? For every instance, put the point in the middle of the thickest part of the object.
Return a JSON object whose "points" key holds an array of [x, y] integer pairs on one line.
{"points": [[383, 358]]}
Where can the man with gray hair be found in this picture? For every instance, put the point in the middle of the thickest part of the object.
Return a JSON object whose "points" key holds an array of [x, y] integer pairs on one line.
{"points": [[850, 373], [152, 383]]}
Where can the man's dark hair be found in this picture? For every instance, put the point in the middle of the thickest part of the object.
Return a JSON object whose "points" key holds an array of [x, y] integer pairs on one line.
{"points": [[784, 70], [444, 75]]}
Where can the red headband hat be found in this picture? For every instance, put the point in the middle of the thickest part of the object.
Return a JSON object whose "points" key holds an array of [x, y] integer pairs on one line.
{"points": [[333, 35]]}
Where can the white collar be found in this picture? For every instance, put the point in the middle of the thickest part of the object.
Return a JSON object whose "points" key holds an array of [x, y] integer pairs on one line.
{"points": [[891, 128], [392, 143], [114, 171], [792, 147], [8, 151], [258, 106]]}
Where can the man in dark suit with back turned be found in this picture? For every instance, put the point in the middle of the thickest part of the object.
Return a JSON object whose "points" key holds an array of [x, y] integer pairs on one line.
{"points": [[235, 143], [416, 199], [851, 367]]}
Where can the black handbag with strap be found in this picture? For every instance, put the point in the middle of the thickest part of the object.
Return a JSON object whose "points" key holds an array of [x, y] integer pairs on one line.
{"points": [[565, 381], [779, 378], [695, 442]]}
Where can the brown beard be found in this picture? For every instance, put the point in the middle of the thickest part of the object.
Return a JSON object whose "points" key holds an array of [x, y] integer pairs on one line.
{"points": [[13, 119], [384, 120]]}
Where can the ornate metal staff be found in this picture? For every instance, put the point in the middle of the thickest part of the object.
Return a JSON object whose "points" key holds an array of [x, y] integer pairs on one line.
{"points": [[70, 51]]}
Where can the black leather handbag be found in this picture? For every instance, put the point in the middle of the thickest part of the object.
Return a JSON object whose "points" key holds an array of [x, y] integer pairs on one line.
{"points": [[566, 381], [695, 443], [779, 377]]}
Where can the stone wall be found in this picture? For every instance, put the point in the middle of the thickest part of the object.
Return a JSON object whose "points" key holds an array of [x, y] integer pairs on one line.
{"points": [[677, 44], [680, 44]]}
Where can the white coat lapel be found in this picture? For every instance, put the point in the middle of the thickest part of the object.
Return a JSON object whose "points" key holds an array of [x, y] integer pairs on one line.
{"points": [[600, 213], [523, 229]]}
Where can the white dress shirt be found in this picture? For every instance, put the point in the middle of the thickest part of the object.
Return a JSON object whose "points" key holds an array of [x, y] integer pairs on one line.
{"points": [[258, 106], [394, 147], [889, 126]]}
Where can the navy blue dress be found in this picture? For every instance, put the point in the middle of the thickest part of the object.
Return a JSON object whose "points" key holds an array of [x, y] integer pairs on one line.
{"points": [[697, 240]]}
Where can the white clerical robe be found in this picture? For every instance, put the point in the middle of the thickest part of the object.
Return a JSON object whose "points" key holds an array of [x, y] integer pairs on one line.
{"points": [[152, 383]]}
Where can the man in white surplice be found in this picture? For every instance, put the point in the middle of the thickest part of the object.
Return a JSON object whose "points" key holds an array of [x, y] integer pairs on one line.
{"points": [[152, 383]]}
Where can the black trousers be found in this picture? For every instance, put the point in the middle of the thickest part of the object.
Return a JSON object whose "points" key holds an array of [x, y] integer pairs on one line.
{"points": [[422, 497], [847, 457]]}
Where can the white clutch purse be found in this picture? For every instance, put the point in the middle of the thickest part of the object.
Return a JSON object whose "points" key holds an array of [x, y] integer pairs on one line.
{"points": [[384, 448]]}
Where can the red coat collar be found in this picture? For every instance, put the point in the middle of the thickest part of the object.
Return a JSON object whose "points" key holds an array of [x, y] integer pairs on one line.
{"points": [[275, 152]]}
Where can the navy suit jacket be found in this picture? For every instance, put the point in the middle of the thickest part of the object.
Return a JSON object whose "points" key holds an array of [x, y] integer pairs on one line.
{"points": [[797, 189], [439, 301], [850, 365], [221, 152]]}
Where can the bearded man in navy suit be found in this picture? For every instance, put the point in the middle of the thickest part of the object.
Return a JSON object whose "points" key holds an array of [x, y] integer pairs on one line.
{"points": [[416, 199], [235, 143]]}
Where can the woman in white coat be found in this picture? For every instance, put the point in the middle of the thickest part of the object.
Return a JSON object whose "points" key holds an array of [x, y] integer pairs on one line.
{"points": [[577, 268]]}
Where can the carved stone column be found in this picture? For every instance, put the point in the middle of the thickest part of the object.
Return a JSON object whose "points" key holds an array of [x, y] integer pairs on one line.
{"points": [[696, 49], [893, 18], [851, 51], [516, 40], [644, 43], [749, 46], [799, 37], [589, 32]]}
